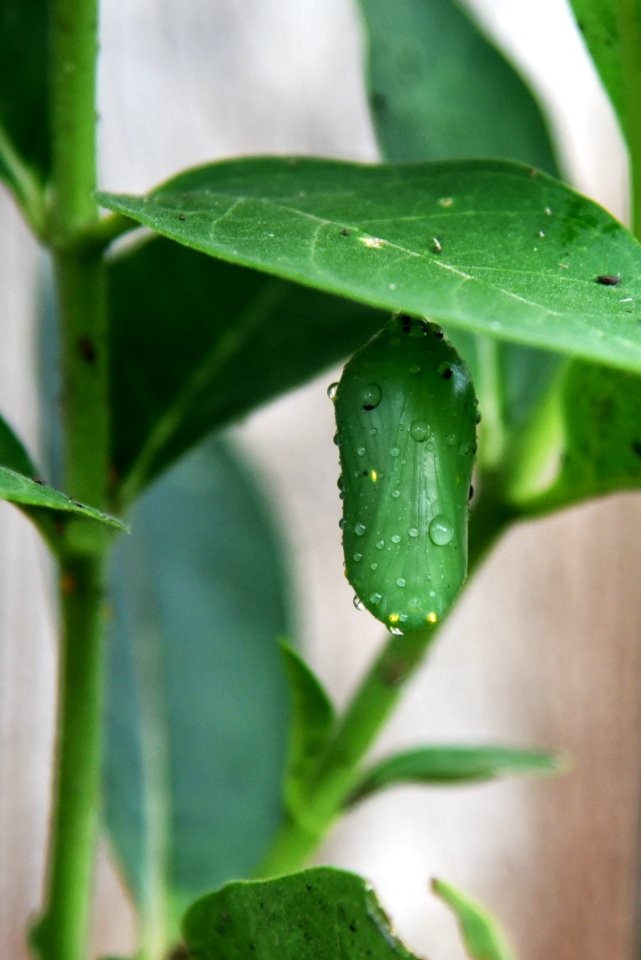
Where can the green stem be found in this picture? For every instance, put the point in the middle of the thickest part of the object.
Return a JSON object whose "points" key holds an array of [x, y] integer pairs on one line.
{"points": [[629, 23], [81, 282], [74, 52], [379, 692], [63, 931]]}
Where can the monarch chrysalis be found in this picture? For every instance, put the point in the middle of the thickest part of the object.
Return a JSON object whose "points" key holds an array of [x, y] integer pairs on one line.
{"points": [[406, 418]]}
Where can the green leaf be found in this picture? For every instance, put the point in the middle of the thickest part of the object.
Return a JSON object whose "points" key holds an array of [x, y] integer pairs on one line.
{"points": [[319, 914], [519, 255], [599, 24], [24, 120], [13, 453], [197, 343], [36, 495], [445, 765], [197, 704], [482, 937], [584, 442], [311, 724], [434, 84]]}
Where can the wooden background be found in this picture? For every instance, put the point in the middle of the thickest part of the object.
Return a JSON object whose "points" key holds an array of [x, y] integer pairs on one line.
{"points": [[545, 646]]}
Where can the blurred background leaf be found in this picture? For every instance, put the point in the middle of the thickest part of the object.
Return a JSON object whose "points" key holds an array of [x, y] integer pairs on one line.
{"points": [[197, 706], [198, 343]]}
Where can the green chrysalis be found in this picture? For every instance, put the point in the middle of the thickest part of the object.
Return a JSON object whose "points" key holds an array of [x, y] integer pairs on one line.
{"points": [[406, 416]]}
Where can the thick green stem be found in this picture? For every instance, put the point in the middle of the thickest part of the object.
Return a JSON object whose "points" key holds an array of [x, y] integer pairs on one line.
{"points": [[74, 51], [63, 930], [375, 699], [80, 277]]}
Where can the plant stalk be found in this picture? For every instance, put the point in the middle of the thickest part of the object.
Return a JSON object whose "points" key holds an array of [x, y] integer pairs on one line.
{"points": [[81, 289], [62, 933], [378, 694]]}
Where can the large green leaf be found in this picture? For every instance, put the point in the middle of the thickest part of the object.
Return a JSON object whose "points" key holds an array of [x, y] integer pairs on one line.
{"points": [[197, 343], [481, 934], [518, 256], [435, 82], [438, 765], [24, 124], [197, 702], [319, 914], [439, 90], [612, 33]]}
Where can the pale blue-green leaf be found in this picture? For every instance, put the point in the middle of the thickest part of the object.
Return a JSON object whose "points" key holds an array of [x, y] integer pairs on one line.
{"points": [[197, 702]]}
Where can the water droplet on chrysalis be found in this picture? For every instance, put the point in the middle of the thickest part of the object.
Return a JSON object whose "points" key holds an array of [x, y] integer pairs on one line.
{"points": [[419, 430], [332, 391], [359, 529], [370, 396], [441, 531]]}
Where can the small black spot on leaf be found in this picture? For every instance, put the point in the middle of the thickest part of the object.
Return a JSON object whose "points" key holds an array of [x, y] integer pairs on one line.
{"points": [[608, 280]]}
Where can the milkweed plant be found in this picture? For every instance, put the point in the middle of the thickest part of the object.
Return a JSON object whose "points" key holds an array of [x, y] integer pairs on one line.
{"points": [[491, 315]]}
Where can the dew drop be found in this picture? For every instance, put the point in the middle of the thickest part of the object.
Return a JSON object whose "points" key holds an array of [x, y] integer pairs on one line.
{"points": [[359, 529], [396, 494], [361, 451], [358, 603], [373, 432], [419, 430], [413, 532], [419, 329], [370, 396], [335, 439], [342, 523], [396, 631], [375, 598], [450, 439], [445, 370], [332, 390], [441, 531], [373, 566], [394, 452], [357, 557], [401, 581], [395, 538], [380, 544]]}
